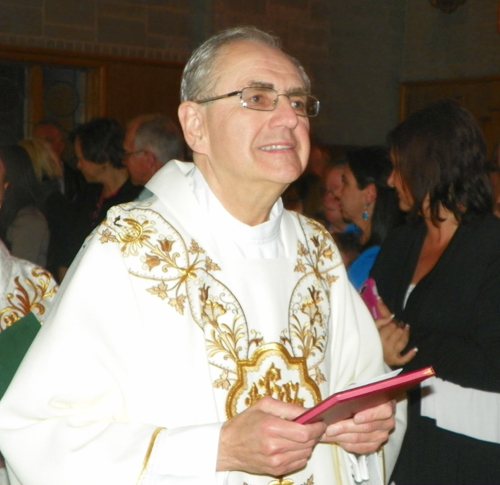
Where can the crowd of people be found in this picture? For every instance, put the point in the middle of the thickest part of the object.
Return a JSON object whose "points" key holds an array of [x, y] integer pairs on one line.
{"points": [[210, 301]]}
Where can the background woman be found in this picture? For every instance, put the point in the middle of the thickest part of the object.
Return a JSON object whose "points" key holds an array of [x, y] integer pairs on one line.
{"points": [[23, 226], [441, 275], [367, 200], [58, 212], [99, 149]]}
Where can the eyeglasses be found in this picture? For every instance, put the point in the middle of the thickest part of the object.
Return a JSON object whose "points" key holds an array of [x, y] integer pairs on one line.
{"points": [[266, 99], [129, 154]]}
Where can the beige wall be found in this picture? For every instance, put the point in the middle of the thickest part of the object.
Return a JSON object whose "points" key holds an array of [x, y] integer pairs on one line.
{"points": [[463, 44]]}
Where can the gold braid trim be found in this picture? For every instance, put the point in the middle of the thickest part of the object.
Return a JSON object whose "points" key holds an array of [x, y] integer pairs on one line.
{"points": [[145, 463]]}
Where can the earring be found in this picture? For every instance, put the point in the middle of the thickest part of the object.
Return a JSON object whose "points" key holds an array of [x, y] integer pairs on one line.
{"points": [[365, 215]]}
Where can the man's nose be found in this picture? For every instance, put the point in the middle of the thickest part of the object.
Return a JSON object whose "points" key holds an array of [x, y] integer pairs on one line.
{"points": [[284, 111]]}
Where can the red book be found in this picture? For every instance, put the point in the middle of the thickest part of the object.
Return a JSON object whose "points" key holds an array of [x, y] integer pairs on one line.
{"points": [[345, 404]]}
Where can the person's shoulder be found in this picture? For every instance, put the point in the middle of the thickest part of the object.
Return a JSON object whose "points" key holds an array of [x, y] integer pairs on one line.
{"points": [[482, 232], [30, 215], [486, 224]]}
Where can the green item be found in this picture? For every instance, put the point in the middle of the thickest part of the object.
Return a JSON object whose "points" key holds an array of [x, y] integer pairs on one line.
{"points": [[14, 343]]}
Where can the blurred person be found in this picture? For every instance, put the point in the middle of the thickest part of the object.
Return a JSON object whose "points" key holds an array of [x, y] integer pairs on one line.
{"points": [[71, 181], [99, 150], [43, 158], [440, 275], [331, 201], [305, 197], [349, 246], [23, 225], [196, 324], [370, 203], [57, 208], [151, 141], [26, 294], [318, 160]]}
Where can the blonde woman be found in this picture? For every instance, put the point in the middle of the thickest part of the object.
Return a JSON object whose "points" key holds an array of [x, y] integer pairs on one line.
{"points": [[44, 161], [57, 208]]}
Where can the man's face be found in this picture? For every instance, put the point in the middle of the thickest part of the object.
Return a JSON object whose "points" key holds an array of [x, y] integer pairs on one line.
{"points": [[255, 147], [352, 198], [331, 201], [53, 136], [134, 160]]}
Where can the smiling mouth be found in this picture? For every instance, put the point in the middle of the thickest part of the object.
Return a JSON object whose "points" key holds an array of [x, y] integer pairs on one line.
{"points": [[277, 147]]}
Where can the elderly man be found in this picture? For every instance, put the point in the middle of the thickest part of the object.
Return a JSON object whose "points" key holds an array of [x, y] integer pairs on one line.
{"points": [[150, 142], [198, 323]]}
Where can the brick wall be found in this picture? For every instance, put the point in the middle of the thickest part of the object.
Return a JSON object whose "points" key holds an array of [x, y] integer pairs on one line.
{"points": [[356, 51], [151, 29]]}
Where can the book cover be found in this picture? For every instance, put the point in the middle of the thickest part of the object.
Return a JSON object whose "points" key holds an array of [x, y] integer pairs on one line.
{"points": [[345, 404]]}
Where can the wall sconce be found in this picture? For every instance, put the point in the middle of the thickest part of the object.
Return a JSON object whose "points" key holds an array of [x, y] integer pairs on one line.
{"points": [[447, 6]]}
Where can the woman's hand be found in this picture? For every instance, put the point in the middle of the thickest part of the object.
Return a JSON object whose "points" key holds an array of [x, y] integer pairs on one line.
{"points": [[395, 337]]}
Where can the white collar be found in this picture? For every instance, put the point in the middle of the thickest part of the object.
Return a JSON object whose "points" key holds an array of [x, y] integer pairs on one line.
{"points": [[261, 241]]}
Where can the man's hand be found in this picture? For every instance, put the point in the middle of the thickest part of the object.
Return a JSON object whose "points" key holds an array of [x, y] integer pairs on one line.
{"points": [[366, 431], [264, 439]]}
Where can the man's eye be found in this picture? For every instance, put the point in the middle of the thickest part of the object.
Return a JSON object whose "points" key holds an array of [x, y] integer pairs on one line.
{"points": [[256, 99], [298, 104]]}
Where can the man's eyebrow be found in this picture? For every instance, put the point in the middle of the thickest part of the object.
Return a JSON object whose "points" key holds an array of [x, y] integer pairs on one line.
{"points": [[261, 84], [298, 89]]}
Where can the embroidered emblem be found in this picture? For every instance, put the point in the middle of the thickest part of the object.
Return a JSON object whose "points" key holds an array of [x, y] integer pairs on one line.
{"points": [[265, 375], [30, 295]]}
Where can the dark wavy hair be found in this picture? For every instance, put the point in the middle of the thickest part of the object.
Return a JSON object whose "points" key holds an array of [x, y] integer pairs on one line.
{"points": [[24, 189], [101, 140], [440, 151], [372, 165]]}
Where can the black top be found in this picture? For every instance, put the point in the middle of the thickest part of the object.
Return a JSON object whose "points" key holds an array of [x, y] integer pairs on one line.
{"points": [[454, 318], [89, 211]]}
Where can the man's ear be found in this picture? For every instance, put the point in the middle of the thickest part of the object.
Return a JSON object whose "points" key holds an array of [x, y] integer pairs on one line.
{"points": [[149, 158], [192, 123]]}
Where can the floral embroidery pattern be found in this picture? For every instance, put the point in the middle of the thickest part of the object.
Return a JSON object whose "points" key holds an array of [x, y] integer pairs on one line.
{"points": [[30, 295], [309, 310], [184, 276]]}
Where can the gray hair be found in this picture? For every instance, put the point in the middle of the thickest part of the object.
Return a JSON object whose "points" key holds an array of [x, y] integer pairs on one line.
{"points": [[198, 76], [160, 135]]}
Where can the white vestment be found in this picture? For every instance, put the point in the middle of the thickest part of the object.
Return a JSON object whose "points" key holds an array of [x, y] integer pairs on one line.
{"points": [[24, 288], [163, 331]]}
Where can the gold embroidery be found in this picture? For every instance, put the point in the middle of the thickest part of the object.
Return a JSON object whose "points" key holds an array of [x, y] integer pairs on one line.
{"points": [[149, 451], [281, 481], [27, 297], [261, 376], [269, 384], [183, 277]]}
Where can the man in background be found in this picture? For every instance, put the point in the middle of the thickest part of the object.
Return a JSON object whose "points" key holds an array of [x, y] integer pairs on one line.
{"points": [[151, 141]]}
